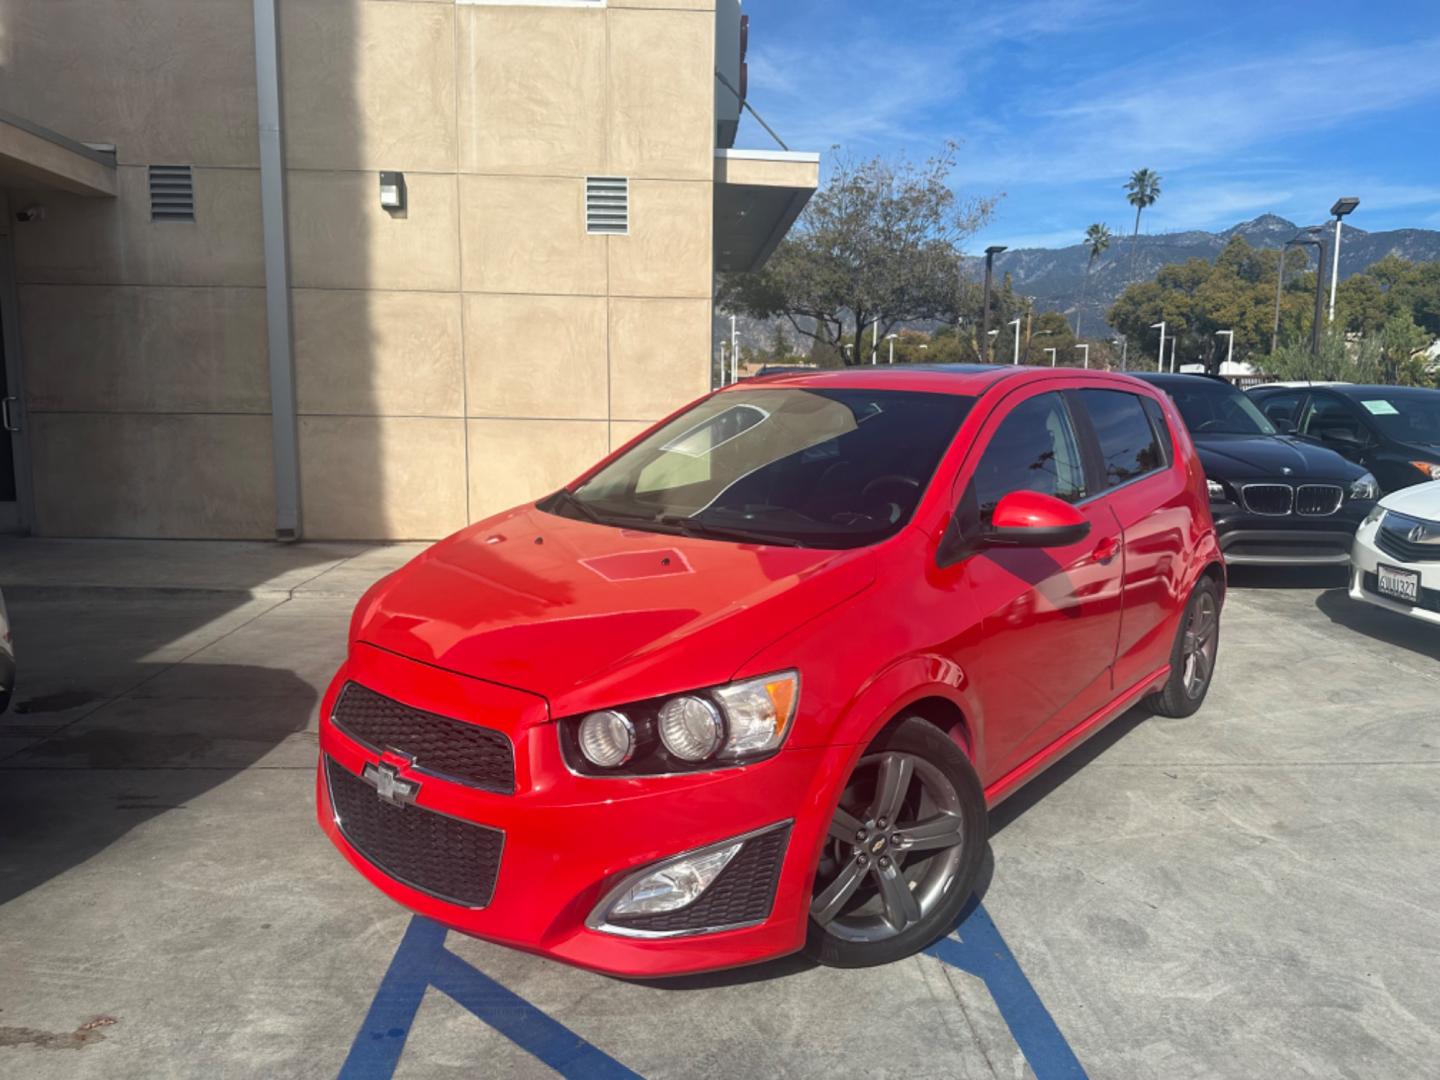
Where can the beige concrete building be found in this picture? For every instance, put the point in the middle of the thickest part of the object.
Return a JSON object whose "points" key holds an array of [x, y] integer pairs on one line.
{"points": [[223, 315]]}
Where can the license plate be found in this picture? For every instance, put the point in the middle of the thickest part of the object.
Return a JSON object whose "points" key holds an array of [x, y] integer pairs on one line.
{"points": [[1397, 584]]}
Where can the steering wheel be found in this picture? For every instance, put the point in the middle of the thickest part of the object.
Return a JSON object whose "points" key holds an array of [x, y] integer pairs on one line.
{"points": [[890, 479]]}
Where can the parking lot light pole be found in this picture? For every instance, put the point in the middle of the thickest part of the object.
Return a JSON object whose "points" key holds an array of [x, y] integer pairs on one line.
{"points": [[875, 341], [1161, 327], [1052, 353], [1085, 345], [1229, 344], [1319, 297], [1342, 207], [990, 253], [891, 339], [1016, 323]]}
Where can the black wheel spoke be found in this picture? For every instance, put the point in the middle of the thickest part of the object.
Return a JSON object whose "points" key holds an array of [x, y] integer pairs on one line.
{"points": [[896, 771], [940, 831], [827, 905], [900, 907], [844, 826]]}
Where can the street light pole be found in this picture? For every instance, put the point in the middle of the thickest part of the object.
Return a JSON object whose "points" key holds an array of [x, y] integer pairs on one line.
{"points": [[990, 253], [1086, 346], [1052, 356], [891, 339], [722, 363], [1016, 323], [1319, 297], [1340, 209], [1161, 327], [1230, 344], [875, 341]]}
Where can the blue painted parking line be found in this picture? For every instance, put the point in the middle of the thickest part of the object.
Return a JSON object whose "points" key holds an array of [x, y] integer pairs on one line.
{"points": [[981, 951], [423, 961]]}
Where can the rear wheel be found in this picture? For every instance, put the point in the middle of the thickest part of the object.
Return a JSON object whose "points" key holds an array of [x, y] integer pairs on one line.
{"points": [[1192, 659], [903, 851]]}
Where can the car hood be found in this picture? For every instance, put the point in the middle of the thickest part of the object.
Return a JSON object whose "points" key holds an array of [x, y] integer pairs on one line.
{"points": [[584, 613], [1420, 501], [1247, 457]]}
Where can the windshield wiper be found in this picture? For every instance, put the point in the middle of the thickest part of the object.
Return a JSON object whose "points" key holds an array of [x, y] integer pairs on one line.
{"points": [[570, 499], [694, 527]]}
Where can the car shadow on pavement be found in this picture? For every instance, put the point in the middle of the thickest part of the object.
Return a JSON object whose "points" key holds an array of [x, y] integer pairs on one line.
{"points": [[1073, 762], [1379, 623], [68, 797]]}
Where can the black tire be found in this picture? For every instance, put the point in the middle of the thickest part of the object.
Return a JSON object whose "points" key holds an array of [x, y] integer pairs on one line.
{"points": [[1191, 671], [942, 798]]}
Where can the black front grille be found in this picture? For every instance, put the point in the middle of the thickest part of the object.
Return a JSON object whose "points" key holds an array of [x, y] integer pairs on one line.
{"points": [[1393, 538], [1429, 598], [450, 859], [1273, 500], [1318, 500], [742, 893], [449, 748]]}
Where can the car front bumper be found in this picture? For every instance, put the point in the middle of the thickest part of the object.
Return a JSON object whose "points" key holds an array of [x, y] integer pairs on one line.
{"points": [[569, 840], [1365, 560], [1289, 540]]}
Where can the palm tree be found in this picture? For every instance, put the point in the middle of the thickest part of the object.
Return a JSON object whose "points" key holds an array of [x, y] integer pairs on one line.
{"points": [[1097, 239], [1144, 189]]}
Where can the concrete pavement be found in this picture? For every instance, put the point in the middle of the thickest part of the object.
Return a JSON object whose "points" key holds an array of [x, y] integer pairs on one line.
{"points": [[1254, 891]]}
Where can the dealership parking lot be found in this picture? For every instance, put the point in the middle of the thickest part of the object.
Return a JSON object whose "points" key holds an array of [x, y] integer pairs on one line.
{"points": [[1251, 892]]}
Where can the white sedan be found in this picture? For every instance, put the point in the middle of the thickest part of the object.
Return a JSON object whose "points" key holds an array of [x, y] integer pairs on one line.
{"points": [[1395, 561]]}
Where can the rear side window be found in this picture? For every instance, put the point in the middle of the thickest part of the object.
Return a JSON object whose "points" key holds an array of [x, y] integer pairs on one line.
{"points": [[1162, 428], [1282, 406], [1033, 449], [1129, 447]]}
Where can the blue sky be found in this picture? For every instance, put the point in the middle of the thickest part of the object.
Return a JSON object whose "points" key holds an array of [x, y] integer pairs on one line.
{"points": [[1242, 107]]}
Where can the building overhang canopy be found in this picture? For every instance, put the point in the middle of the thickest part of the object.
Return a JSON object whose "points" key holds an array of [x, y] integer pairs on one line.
{"points": [[758, 196], [34, 157]]}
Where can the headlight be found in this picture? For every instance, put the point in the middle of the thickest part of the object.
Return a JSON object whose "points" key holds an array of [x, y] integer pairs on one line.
{"points": [[716, 728], [607, 738], [1367, 487], [1376, 513], [691, 728], [1217, 491], [1429, 468]]}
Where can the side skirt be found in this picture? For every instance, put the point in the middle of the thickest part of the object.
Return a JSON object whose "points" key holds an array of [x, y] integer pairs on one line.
{"points": [[1037, 763]]}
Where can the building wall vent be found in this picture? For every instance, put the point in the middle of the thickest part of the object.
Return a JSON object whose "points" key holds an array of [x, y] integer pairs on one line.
{"points": [[607, 205], [172, 193]]}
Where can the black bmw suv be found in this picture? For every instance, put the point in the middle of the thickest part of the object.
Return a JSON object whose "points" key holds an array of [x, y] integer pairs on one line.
{"points": [[1276, 499]]}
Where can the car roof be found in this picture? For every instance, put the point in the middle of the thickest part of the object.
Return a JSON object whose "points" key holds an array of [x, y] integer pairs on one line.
{"points": [[1180, 378], [1370, 390], [1295, 384], [964, 379]]}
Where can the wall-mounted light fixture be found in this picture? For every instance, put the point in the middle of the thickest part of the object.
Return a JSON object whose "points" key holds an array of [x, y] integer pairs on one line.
{"points": [[392, 190]]}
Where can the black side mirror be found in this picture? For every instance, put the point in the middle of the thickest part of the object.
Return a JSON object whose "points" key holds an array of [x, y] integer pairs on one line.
{"points": [[1283, 426]]}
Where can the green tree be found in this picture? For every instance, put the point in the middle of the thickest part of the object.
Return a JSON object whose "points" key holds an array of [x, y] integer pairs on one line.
{"points": [[1338, 360], [880, 239], [1142, 191], [1097, 240], [1401, 343]]}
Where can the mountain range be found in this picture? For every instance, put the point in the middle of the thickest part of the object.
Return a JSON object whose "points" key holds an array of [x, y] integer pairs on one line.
{"points": [[1056, 276]]}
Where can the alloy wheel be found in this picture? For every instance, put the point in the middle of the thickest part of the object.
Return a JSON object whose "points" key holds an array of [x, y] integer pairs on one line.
{"points": [[894, 848], [1198, 650]]}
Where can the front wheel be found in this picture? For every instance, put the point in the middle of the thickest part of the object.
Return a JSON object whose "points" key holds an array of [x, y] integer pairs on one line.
{"points": [[903, 852]]}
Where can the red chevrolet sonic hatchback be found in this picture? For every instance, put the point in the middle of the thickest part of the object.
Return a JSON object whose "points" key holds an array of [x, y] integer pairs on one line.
{"points": [[749, 684]]}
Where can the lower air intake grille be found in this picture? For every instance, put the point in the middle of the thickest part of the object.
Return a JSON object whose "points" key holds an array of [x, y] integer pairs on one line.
{"points": [[743, 893], [451, 749], [450, 859]]}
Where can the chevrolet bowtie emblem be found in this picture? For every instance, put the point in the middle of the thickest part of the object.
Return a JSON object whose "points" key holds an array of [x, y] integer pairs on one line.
{"points": [[388, 785]]}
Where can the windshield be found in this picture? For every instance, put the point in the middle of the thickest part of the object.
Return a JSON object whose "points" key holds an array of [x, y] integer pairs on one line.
{"points": [[1410, 416], [1216, 408], [803, 466]]}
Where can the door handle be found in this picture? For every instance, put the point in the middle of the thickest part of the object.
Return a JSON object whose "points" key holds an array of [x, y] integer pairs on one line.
{"points": [[1106, 550], [7, 415]]}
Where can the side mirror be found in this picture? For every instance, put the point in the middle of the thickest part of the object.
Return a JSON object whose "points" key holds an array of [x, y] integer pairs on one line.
{"points": [[1283, 426], [1032, 520]]}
